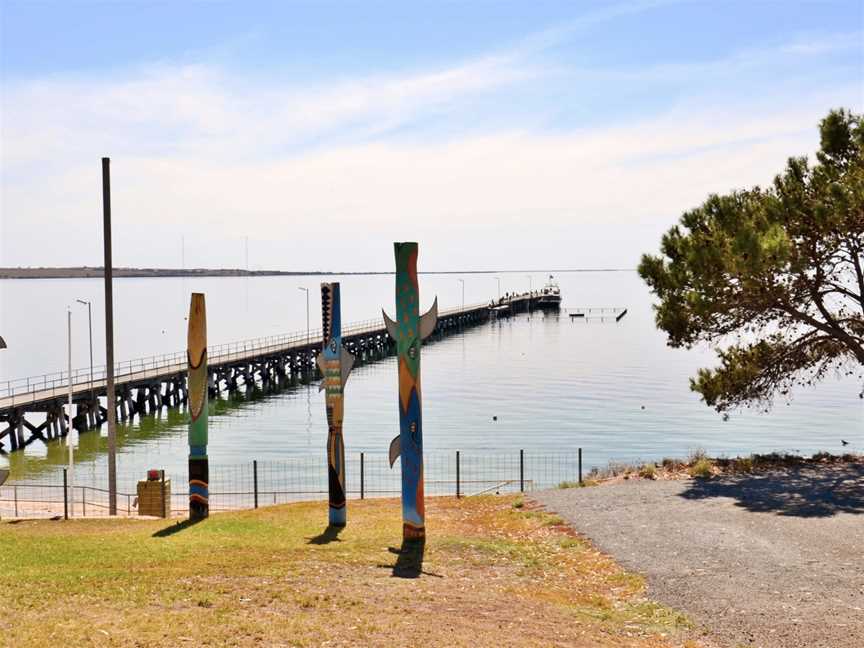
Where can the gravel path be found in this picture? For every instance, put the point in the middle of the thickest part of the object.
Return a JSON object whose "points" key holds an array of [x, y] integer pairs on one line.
{"points": [[774, 560]]}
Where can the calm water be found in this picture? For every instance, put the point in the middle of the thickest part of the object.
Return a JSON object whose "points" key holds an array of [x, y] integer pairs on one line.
{"points": [[614, 389]]}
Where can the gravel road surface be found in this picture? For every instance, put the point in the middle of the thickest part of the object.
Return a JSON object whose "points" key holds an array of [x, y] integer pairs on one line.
{"points": [[770, 560]]}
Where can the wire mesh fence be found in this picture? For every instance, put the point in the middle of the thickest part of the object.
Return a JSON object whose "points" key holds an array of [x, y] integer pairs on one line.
{"points": [[265, 483]]}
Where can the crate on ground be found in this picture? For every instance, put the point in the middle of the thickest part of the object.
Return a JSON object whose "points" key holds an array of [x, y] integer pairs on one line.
{"points": [[154, 495]]}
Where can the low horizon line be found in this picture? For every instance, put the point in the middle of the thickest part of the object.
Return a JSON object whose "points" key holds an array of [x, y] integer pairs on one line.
{"points": [[92, 272]]}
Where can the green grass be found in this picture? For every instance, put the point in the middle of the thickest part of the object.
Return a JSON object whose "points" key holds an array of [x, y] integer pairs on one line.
{"points": [[269, 577]]}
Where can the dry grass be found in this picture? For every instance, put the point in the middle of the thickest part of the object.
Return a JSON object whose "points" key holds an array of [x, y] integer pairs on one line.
{"points": [[700, 468], [493, 575], [698, 464]]}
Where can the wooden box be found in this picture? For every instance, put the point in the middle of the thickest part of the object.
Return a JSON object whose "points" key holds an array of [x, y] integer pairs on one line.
{"points": [[152, 500]]}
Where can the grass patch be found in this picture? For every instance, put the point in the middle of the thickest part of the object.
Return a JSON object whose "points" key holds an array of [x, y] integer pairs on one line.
{"points": [[701, 468], [648, 471], [576, 484], [696, 456], [743, 464], [273, 577]]}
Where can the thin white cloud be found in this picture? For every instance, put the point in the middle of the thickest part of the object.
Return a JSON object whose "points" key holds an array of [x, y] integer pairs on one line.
{"points": [[231, 158], [561, 33], [199, 108], [618, 176]]}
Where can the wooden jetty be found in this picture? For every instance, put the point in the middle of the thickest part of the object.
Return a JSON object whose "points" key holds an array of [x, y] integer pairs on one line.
{"points": [[32, 409]]}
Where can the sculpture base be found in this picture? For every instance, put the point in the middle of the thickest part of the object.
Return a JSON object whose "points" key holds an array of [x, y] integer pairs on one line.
{"points": [[338, 517], [410, 532], [198, 511]]}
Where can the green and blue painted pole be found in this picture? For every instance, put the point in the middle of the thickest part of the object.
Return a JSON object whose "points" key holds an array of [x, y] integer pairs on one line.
{"points": [[409, 330]]}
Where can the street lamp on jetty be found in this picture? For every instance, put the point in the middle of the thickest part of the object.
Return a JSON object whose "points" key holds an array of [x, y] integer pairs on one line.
{"points": [[90, 326], [306, 290]]}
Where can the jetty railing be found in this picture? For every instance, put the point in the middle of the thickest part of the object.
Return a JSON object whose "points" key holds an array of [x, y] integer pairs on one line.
{"points": [[57, 383], [266, 483]]}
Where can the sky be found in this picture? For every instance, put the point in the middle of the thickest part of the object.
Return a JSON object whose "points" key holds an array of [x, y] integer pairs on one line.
{"points": [[505, 135]]}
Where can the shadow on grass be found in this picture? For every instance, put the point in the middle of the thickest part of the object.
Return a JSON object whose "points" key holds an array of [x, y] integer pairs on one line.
{"points": [[330, 534], [812, 491], [175, 528], [409, 563]]}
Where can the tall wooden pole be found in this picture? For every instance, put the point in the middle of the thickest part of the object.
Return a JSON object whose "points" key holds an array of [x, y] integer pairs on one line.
{"points": [[408, 331], [111, 405], [199, 464], [335, 364], [71, 413]]}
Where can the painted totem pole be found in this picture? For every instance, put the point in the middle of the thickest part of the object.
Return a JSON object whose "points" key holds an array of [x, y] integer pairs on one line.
{"points": [[409, 330], [335, 364], [199, 470]]}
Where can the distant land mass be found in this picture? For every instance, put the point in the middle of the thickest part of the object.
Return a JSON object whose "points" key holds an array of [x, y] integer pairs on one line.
{"points": [[87, 272]]}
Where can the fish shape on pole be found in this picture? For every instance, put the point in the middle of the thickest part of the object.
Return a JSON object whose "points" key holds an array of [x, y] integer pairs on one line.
{"points": [[408, 331], [335, 364], [199, 469]]}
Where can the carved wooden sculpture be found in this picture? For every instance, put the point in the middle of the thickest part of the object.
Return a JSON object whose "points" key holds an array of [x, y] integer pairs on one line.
{"points": [[409, 330], [199, 470], [335, 364]]}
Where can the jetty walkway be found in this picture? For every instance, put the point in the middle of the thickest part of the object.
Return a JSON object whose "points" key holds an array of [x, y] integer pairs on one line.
{"points": [[33, 408]]}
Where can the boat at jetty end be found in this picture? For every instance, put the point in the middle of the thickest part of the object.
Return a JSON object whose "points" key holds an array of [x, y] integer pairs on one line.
{"points": [[550, 296]]}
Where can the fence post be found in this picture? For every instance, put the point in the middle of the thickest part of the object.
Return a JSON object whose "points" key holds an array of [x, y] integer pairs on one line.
{"points": [[521, 471], [255, 480], [65, 495], [83, 501], [15, 491], [362, 477], [163, 495], [580, 466], [458, 493]]}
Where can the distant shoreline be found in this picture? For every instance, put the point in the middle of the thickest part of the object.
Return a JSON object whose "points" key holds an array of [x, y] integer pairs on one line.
{"points": [[86, 272]]}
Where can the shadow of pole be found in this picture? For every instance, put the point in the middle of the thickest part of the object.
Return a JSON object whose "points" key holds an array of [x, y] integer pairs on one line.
{"points": [[175, 528], [330, 534]]}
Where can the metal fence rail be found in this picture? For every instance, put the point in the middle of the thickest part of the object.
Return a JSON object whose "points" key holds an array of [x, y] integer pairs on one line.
{"points": [[266, 483]]}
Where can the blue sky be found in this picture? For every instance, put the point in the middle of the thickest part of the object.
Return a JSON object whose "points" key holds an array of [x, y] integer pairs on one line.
{"points": [[574, 132]]}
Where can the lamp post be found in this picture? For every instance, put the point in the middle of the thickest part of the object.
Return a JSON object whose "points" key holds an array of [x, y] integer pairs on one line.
{"points": [[110, 392], [71, 414], [462, 281], [306, 290], [498, 279], [90, 326], [530, 284]]}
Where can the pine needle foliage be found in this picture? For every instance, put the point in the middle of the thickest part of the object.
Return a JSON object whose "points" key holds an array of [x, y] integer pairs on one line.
{"points": [[771, 277]]}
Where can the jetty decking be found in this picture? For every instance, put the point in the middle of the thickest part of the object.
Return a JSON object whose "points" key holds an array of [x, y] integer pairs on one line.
{"points": [[146, 385]]}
